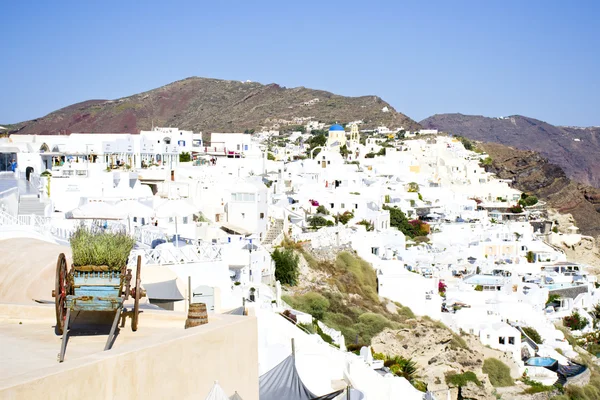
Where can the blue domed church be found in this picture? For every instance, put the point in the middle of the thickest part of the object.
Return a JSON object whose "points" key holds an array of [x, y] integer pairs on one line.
{"points": [[336, 137]]}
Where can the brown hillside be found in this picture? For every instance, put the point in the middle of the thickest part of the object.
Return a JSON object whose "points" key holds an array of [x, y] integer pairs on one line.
{"points": [[213, 105]]}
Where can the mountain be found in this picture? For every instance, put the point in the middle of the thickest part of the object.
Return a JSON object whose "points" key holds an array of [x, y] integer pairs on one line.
{"points": [[532, 173], [574, 149], [214, 105]]}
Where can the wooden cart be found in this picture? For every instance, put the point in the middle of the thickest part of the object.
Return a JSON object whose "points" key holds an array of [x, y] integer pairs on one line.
{"points": [[94, 288]]}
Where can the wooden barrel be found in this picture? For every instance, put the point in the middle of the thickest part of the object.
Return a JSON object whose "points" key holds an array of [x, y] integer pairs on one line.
{"points": [[197, 315]]}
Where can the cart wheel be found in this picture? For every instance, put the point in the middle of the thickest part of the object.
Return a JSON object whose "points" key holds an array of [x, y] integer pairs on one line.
{"points": [[60, 293], [137, 295]]}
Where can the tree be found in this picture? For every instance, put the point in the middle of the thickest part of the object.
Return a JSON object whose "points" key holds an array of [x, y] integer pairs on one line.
{"points": [[286, 266], [344, 151], [185, 157], [412, 228], [413, 187], [322, 210], [318, 221], [270, 156]]}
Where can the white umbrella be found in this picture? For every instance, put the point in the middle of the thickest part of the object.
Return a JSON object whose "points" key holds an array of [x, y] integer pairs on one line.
{"points": [[133, 208], [217, 393], [174, 209], [95, 210]]}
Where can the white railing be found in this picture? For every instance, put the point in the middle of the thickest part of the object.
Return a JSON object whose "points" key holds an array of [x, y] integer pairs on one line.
{"points": [[7, 219], [178, 255], [146, 236]]}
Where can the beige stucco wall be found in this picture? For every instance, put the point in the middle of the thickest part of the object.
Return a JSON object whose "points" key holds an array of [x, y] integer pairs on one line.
{"points": [[182, 364]]}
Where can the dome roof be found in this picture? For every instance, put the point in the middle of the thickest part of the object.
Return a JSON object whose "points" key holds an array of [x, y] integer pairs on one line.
{"points": [[336, 127]]}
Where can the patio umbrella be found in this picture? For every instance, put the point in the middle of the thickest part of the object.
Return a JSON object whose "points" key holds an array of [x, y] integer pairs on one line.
{"points": [[95, 210], [174, 208], [133, 208]]}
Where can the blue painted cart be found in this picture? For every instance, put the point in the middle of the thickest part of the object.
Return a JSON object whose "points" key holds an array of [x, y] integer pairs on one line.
{"points": [[94, 288]]}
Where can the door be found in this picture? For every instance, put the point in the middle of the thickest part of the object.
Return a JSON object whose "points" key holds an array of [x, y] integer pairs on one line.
{"points": [[204, 294], [323, 164]]}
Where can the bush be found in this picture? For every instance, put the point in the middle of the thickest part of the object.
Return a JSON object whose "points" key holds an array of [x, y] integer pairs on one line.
{"points": [[368, 225], [322, 210], [498, 372], [318, 221], [286, 266], [185, 157], [536, 387], [533, 334], [575, 321], [270, 156], [403, 367], [344, 218], [459, 380], [315, 304], [97, 247], [479, 288]]}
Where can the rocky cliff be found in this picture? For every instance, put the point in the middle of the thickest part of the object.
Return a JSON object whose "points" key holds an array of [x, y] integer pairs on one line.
{"points": [[533, 173], [575, 150]]}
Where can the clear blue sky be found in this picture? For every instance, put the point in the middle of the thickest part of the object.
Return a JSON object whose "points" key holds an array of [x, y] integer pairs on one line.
{"points": [[536, 58]]}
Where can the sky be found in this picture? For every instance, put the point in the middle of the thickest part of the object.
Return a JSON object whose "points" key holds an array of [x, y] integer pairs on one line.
{"points": [[496, 58]]}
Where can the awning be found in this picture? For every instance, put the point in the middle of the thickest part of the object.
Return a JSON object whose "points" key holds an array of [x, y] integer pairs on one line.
{"points": [[166, 290], [234, 230], [9, 149]]}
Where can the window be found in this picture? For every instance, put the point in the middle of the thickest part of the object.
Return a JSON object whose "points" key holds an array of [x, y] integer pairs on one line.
{"points": [[511, 340], [488, 336], [342, 205], [501, 340], [375, 250], [331, 204], [243, 215], [355, 206], [243, 197], [262, 215], [328, 162]]}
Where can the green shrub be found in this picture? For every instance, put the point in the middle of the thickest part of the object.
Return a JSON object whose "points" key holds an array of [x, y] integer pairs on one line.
{"points": [[368, 225], [403, 367], [312, 303], [322, 210], [533, 334], [552, 298], [575, 321], [479, 288], [185, 157], [536, 387], [344, 218], [96, 247], [498, 372], [270, 156], [286, 266], [318, 221], [460, 380]]}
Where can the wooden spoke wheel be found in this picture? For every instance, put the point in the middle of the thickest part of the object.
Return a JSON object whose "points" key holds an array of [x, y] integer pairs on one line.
{"points": [[60, 293], [136, 295]]}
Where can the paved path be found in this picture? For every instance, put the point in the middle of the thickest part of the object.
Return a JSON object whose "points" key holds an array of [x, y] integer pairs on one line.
{"points": [[8, 181]]}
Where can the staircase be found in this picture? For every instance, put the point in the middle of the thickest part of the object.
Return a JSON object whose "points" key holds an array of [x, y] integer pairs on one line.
{"points": [[31, 205], [274, 231]]}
